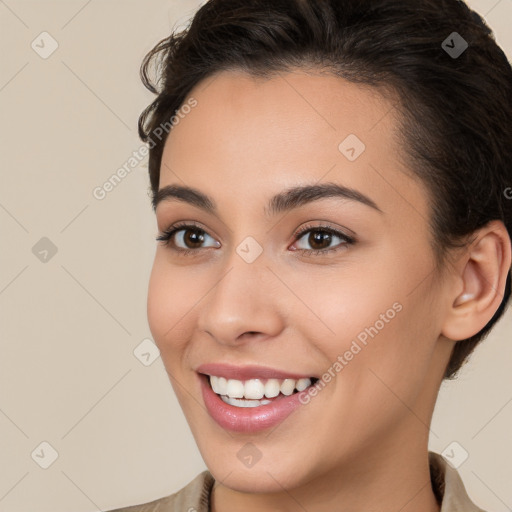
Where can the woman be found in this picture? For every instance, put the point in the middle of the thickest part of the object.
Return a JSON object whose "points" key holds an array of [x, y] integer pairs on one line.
{"points": [[331, 181]]}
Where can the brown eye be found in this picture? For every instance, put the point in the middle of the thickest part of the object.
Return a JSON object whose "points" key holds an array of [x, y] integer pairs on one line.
{"points": [[186, 238], [192, 238], [320, 239]]}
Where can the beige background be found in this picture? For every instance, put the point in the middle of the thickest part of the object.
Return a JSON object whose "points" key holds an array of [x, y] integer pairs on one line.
{"points": [[70, 325]]}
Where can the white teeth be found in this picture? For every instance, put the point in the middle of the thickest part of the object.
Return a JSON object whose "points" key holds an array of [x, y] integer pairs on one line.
{"points": [[255, 389], [223, 385], [235, 388], [214, 382], [302, 384], [272, 388], [243, 403], [287, 387]]}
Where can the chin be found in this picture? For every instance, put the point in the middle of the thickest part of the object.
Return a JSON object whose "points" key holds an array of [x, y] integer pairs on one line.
{"points": [[263, 477], [255, 481]]}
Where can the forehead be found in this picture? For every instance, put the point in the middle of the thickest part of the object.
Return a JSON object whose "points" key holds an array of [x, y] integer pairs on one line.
{"points": [[249, 134], [245, 116]]}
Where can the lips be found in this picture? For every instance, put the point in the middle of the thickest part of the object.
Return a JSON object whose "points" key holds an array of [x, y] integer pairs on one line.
{"points": [[247, 420], [248, 372]]}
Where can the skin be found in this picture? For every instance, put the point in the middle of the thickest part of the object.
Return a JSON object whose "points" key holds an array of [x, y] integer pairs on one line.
{"points": [[362, 443]]}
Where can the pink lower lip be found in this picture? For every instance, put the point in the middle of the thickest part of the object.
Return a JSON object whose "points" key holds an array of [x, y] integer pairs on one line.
{"points": [[247, 419]]}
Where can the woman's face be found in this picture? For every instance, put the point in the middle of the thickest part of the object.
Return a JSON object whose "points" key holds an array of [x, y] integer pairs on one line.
{"points": [[366, 313]]}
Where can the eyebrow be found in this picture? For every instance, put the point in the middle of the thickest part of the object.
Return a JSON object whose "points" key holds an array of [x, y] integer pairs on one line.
{"points": [[284, 201]]}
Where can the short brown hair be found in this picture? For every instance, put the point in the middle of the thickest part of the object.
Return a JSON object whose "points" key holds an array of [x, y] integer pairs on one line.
{"points": [[456, 111]]}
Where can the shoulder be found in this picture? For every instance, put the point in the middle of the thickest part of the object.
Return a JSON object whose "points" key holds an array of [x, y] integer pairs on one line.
{"points": [[195, 496], [449, 487]]}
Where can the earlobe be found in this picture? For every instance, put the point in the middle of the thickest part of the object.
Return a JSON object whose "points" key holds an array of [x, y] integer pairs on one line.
{"points": [[484, 274]]}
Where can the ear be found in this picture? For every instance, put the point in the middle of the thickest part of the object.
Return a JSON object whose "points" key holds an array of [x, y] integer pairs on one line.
{"points": [[481, 277]]}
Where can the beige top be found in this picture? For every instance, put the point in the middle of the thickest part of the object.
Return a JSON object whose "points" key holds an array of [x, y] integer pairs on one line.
{"points": [[195, 496]]}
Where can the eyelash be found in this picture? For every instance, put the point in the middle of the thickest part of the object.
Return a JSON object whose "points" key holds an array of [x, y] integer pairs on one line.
{"points": [[169, 233]]}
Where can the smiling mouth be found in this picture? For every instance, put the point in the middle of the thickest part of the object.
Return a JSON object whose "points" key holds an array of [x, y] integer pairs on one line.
{"points": [[256, 392]]}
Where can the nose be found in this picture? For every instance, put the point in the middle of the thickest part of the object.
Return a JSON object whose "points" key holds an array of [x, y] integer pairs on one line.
{"points": [[243, 304]]}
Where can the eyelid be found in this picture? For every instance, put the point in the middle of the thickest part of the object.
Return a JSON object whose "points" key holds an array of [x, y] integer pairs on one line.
{"points": [[325, 226]]}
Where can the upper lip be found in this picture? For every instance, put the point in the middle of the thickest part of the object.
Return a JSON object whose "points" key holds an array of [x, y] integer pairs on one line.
{"points": [[247, 372]]}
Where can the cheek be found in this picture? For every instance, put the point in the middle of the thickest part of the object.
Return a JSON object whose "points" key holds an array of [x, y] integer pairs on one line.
{"points": [[345, 304], [372, 321], [392, 364], [172, 301]]}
